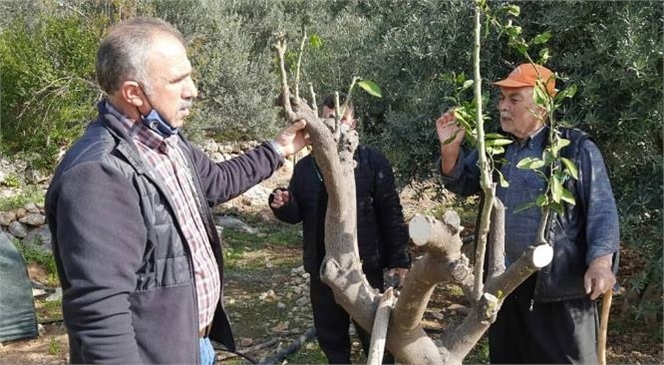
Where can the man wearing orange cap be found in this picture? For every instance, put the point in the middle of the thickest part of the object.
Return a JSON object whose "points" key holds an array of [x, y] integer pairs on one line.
{"points": [[550, 318]]}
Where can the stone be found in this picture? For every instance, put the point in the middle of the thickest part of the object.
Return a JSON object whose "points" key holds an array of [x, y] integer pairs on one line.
{"points": [[302, 301], [17, 229], [281, 305], [258, 195], [20, 213], [297, 270], [32, 208], [34, 176], [33, 219], [55, 296], [38, 292], [217, 157], [226, 149], [40, 237], [246, 146], [210, 147], [7, 217], [227, 221], [246, 342]]}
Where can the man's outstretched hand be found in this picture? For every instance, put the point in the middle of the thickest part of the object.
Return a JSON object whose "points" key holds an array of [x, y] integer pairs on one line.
{"points": [[292, 139]]}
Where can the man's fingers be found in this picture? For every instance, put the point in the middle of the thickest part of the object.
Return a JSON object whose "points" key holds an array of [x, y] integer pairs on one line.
{"points": [[588, 284], [299, 125]]}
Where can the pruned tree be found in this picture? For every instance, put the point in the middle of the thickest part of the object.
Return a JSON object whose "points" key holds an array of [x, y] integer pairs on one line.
{"points": [[398, 323]]}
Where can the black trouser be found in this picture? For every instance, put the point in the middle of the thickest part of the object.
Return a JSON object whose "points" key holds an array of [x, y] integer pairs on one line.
{"points": [[551, 333], [332, 322]]}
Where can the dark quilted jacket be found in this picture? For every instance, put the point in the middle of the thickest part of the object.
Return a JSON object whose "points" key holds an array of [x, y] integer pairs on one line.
{"points": [[126, 271], [382, 234]]}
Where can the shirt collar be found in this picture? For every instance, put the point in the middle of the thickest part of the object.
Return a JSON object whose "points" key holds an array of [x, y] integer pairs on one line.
{"points": [[141, 133], [534, 140]]}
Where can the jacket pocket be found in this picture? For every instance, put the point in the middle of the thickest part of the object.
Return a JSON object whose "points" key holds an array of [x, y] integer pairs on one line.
{"points": [[563, 277]]}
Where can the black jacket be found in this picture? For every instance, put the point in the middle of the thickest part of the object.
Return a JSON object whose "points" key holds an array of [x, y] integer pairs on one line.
{"points": [[382, 234], [126, 271]]}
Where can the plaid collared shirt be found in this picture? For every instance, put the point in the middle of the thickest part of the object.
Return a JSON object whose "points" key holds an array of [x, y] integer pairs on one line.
{"points": [[171, 169]]}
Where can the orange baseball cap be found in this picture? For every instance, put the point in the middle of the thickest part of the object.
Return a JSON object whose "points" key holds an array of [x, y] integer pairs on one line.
{"points": [[527, 74]]}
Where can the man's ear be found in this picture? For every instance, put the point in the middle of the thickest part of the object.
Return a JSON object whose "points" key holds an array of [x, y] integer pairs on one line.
{"points": [[131, 92]]}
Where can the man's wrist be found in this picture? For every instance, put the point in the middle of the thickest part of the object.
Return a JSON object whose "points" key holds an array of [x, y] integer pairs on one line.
{"points": [[602, 262], [275, 146]]}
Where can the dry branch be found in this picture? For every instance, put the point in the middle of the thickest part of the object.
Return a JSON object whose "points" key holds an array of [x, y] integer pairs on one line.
{"points": [[377, 348], [497, 240]]}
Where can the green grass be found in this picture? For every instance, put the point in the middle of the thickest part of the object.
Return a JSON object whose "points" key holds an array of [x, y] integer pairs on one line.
{"points": [[48, 311], [44, 259], [253, 251], [480, 353], [30, 194], [53, 346]]}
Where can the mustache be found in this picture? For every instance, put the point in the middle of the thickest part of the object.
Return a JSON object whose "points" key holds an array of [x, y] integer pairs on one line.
{"points": [[505, 115], [187, 104]]}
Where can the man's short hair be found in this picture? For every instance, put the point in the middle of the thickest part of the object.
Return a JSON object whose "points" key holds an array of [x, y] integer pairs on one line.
{"points": [[123, 53], [328, 101]]}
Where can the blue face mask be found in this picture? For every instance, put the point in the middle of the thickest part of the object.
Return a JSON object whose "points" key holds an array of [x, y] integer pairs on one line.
{"points": [[156, 122]]}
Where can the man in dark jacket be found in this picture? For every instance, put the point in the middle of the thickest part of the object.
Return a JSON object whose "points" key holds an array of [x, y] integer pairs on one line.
{"points": [[382, 235], [551, 317], [137, 252]]}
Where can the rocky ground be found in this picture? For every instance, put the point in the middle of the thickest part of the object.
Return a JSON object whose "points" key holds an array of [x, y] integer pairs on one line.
{"points": [[266, 293]]}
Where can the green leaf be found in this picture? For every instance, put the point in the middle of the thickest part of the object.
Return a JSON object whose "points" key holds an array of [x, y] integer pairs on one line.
{"points": [[496, 150], [525, 163], [521, 48], [559, 144], [467, 84], [498, 142], [544, 55], [449, 140], [370, 87], [540, 97], [548, 156], [513, 10], [571, 167], [541, 200], [530, 163], [556, 189], [525, 206], [569, 92], [461, 78], [568, 197], [542, 38], [501, 179], [494, 135], [557, 207], [315, 41], [451, 99]]}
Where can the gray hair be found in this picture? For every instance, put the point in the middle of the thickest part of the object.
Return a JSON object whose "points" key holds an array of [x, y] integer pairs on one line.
{"points": [[123, 53]]}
